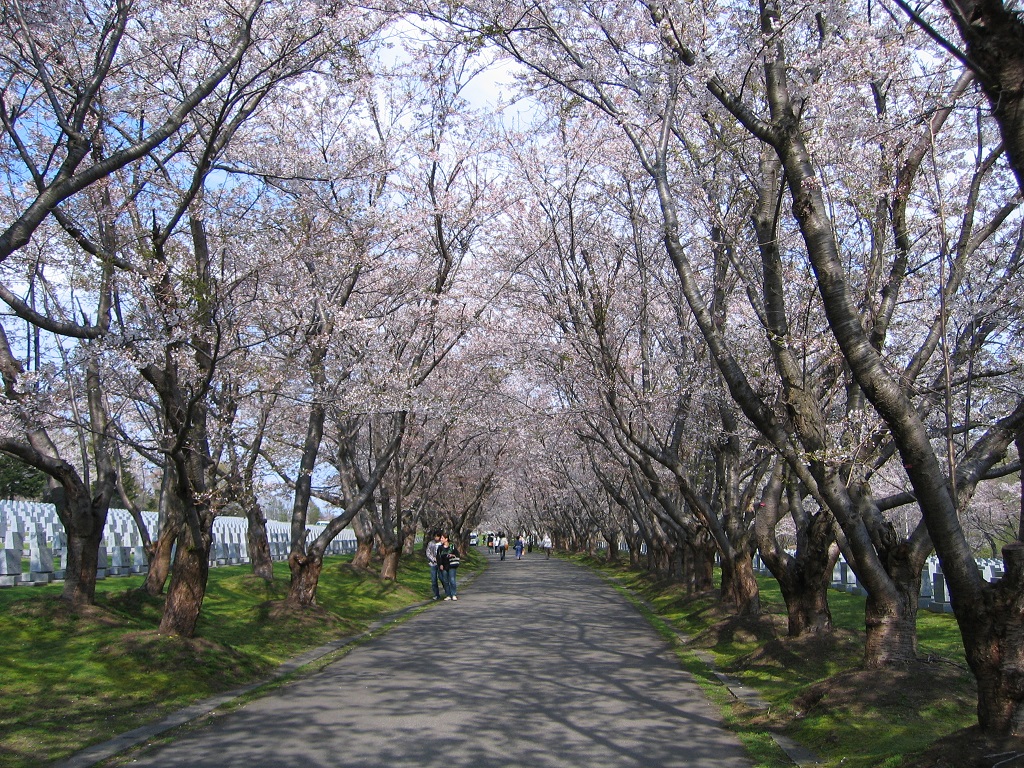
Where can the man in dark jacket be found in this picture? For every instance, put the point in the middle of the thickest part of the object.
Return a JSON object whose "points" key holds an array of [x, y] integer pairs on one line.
{"points": [[432, 548]]}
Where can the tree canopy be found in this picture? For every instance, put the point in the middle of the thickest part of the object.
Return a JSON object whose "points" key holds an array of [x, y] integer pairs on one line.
{"points": [[707, 281]]}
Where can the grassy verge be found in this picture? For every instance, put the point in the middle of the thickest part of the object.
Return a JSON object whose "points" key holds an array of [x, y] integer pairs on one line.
{"points": [[73, 679], [816, 689]]}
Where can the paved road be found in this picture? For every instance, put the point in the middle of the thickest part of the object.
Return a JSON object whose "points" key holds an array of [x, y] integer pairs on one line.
{"points": [[539, 663]]}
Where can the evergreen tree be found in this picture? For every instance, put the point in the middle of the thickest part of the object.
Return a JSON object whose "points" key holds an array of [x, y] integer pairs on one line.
{"points": [[19, 480]]}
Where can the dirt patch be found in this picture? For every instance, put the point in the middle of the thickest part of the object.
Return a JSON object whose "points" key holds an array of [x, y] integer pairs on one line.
{"points": [[60, 612], [371, 568], [154, 651], [970, 748], [812, 653], [151, 651], [907, 691], [281, 612], [904, 702], [739, 630], [135, 603], [255, 583]]}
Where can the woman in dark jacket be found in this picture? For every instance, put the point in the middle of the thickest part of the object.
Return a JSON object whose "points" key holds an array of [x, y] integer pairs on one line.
{"points": [[447, 565]]}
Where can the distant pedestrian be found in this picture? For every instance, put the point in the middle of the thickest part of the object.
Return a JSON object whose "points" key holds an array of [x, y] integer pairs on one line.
{"points": [[432, 547], [502, 545], [546, 544], [447, 566], [519, 547], [490, 543]]}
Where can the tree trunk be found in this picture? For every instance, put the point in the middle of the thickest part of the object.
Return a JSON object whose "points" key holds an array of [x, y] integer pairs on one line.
{"points": [[682, 570], [409, 541], [364, 554], [703, 565], [633, 542], [739, 585], [188, 584], [805, 577], [891, 632], [805, 582], [305, 572], [258, 544], [993, 632], [807, 608], [82, 510], [613, 549], [660, 559], [168, 527], [386, 519], [389, 570], [891, 621], [160, 561], [364, 543], [82, 564]]}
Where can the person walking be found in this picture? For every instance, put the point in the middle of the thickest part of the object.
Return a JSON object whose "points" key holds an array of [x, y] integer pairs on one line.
{"points": [[454, 561], [519, 547], [432, 548], [502, 545], [546, 545], [447, 564]]}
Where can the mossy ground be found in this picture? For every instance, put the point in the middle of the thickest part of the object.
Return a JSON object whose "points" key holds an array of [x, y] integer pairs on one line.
{"points": [[919, 715], [74, 678]]}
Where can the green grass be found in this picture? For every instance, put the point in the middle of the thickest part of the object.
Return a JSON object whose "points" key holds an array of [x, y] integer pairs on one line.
{"points": [[817, 691], [70, 680], [758, 743], [73, 679]]}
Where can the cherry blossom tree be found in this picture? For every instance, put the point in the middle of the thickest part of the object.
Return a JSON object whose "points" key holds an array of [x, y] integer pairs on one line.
{"points": [[665, 76], [89, 91], [180, 300], [993, 34], [390, 295]]}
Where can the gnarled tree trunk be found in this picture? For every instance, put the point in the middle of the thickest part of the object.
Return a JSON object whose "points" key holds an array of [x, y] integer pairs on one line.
{"points": [[993, 631], [739, 584], [160, 560], [167, 533], [305, 570], [188, 583], [84, 536], [806, 576], [364, 543], [257, 542], [389, 568]]}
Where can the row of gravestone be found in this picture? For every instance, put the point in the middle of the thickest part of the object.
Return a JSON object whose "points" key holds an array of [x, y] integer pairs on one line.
{"points": [[33, 545], [934, 595]]}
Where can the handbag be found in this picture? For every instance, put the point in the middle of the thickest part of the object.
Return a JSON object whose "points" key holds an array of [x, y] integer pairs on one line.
{"points": [[453, 559]]}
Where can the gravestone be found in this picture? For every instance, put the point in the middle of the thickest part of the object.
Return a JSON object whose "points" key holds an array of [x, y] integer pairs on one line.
{"points": [[102, 562], [925, 598], [140, 563], [120, 558], [40, 557], [838, 573], [10, 558], [940, 600]]}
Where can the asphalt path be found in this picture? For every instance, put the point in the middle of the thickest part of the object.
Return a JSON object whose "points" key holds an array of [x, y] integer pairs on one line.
{"points": [[539, 663]]}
